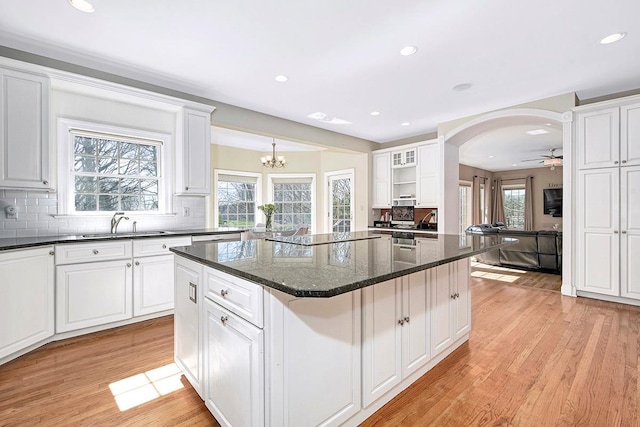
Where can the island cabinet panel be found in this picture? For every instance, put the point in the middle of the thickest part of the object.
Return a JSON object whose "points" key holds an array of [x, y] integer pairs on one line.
{"points": [[187, 340], [462, 301], [441, 308], [313, 359], [233, 368], [395, 340]]}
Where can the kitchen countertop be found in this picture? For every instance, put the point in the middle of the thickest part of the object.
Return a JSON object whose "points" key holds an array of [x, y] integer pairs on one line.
{"points": [[27, 242], [326, 270]]}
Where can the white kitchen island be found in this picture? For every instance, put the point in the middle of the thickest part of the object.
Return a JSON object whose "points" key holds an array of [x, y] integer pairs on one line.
{"points": [[306, 332]]}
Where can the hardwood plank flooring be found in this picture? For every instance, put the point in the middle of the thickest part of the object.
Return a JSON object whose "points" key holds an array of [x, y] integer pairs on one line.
{"points": [[534, 358], [532, 279]]}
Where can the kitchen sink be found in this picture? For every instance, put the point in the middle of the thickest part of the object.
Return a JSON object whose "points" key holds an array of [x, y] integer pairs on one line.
{"points": [[123, 235]]}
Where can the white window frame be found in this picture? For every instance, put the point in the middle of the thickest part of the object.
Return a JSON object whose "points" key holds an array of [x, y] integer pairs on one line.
{"points": [[66, 186], [327, 201], [314, 201], [514, 187], [214, 191], [469, 207]]}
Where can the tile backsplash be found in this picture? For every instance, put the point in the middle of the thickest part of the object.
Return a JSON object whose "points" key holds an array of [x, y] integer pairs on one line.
{"points": [[37, 210]]}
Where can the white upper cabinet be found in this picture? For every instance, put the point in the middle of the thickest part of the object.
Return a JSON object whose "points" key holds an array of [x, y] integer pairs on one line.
{"points": [[403, 158], [382, 180], [428, 176], [193, 153], [630, 135], [24, 130]]}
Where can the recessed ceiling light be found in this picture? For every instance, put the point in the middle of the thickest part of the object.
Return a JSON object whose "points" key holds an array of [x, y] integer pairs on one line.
{"points": [[375, 113], [612, 38], [537, 132], [323, 117], [405, 124], [491, 157], [82, 5], [548, 124], [515, 164], [408, 50], [280, 78], [461, 87]]}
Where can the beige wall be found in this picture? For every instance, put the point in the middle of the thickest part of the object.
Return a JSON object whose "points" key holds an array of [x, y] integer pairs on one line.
{"points": [[317, 162]]}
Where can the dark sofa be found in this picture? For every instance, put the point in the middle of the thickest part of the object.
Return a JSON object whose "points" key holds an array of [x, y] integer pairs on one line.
{"points": [[535, 250]]}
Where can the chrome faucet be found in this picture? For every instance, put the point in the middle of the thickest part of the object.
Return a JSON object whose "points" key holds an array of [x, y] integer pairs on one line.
{"points": [[115, 221]]}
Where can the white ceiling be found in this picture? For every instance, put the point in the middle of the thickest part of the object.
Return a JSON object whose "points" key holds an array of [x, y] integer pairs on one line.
{"points": [[342, 57], [250, 141]]}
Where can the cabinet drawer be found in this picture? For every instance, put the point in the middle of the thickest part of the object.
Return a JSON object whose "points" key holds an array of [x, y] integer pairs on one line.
{"points": [[239, 296], [150, 247], [92, 251]]}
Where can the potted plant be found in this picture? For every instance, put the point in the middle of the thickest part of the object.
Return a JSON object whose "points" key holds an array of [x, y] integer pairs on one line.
{"points": [[268, 209]]}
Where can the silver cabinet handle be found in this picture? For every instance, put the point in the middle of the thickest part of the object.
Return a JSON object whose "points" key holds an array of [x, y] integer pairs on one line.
{"points": [[193, 294], [51, 253], [128, 264], [406, 319], [45, 182], [137, 262], [224, 293], [186, 188], [164, 246], [624, 231], [224, 320], [624, 161], [615, 231], [615, 162], [453, 296], [96, 252], [401, 322]]}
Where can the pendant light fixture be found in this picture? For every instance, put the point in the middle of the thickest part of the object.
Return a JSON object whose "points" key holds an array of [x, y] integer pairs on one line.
{"points": [[273, 161]]}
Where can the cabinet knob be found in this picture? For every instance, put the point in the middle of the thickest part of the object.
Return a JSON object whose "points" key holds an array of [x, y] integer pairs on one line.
{"points": [[186, 188], [96, 252], [224, 320], [615, 163], [224, 293], [615, 231], [51, 253], [401, 322], [453, 296], [164, 246], [137, 262], [406, 319], [128, 264], [624, 231], [45, 182]]}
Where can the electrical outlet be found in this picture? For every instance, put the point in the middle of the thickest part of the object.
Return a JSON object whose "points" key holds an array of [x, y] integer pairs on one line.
{"points": [[186, 211]]}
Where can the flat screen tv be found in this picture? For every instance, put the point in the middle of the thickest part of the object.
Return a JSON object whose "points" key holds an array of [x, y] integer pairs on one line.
{"points": [[402, 215], [553, 201]]}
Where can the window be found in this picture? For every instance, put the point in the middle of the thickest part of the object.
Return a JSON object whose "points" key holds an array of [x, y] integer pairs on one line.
{"points": [[237, 198], [513, 202], [112, 174], [294, 198], [465, 206], [104, 169]]}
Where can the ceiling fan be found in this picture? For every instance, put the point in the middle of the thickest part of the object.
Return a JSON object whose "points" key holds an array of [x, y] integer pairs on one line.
{"points": [[549, 159]]}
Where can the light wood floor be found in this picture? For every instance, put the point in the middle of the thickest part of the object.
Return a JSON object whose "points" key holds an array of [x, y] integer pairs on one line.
{"points": [[534, 358], [532, 279]]}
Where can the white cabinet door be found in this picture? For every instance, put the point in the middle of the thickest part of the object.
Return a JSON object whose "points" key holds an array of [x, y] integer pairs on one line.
{"points": [[152, 284], [630, 135], [428, 176], [315, 359], [24, 130], [381, 180], [630, 232], [441, 308], [462, 301], [93, 294], [187, 340], [416, 343], [381, 339], [598, 138], [598, 238], [26, 298], [234, 368], [193, 154], [404, 158]]}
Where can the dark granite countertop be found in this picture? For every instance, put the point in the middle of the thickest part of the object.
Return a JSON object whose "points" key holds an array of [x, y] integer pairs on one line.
{"points": [[9, 243], [335, 268]]}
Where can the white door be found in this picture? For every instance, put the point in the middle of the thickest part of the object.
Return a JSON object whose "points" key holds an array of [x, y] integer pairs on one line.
{"points": [[186, 320], [630, 135], [416, 344], [152, 284], [92, 294], [234, 370], [26, 298], [630, 231], [428, 175], [340, 198], [381, 180], [441, 308], [598, 139], [381, 339], [598, 238], [462, 303]]}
